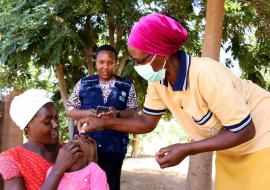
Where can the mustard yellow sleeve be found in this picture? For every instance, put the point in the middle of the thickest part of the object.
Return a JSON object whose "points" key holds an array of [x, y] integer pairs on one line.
{"points": [[222, 98], [153, 104]]}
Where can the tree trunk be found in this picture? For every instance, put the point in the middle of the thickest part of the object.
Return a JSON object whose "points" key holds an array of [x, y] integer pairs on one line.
{"points": [[119, 37], [121, 64], [200, 165], [200, 172], [89, 61], [135, 146], [11, 135], [64, 95], [61, 82], [111, 30], [213, 29], [88, 28]]}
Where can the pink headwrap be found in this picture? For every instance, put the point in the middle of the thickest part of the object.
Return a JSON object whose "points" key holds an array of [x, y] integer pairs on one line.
{"points": [[157, 34]]}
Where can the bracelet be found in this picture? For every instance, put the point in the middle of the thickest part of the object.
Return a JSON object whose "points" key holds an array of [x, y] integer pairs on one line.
{"points": [[118, 114]]}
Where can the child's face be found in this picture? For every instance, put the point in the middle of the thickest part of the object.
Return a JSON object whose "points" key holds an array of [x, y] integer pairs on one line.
{"points": [[89, 151]]}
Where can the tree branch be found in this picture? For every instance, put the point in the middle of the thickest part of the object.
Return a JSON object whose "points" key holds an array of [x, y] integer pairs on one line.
{"points": [[89, 61], [111, 30], [168, 6], [59, 72], [121, 64], [121, 30]]}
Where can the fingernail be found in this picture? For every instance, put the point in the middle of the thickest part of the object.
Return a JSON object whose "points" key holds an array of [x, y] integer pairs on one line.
{"points": [[84, 125]]}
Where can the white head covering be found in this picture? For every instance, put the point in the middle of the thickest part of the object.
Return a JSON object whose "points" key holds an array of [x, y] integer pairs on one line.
{"points": [[24, 107]]}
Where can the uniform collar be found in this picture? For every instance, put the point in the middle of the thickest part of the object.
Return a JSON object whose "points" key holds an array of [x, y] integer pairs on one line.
{"points": [[181, 83]]}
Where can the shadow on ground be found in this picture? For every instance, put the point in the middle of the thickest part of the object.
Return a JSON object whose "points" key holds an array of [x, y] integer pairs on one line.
{"points": [[150, 180], [144, 174]]}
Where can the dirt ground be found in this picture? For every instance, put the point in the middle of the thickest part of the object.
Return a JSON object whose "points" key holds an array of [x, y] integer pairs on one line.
{"points": [[143, 173]]}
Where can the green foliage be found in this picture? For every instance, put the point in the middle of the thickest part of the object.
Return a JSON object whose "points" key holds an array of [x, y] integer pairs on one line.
{"points": [[248, 33], [36, 77], [39, 36], [184, 12]]}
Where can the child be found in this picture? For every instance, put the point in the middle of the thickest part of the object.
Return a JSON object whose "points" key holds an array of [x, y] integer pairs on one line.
{"points": [[85, 174]]}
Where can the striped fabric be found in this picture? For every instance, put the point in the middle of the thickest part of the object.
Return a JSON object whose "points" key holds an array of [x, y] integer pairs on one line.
{"points": [[239, 126], [153, 112], [204, 119]]}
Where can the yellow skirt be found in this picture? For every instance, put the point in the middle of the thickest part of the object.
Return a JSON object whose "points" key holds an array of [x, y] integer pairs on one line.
{"points": [[245, 172]]}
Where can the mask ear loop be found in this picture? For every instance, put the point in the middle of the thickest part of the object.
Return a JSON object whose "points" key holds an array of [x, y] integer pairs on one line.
{"points": [[165, 63], [150, 63]]}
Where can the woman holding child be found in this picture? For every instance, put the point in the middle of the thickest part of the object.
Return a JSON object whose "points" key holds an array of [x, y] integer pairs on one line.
{"points": [[25, 167]]}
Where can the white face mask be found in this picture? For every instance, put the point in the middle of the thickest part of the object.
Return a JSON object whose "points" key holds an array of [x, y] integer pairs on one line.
{"points": [[146, 71]]}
